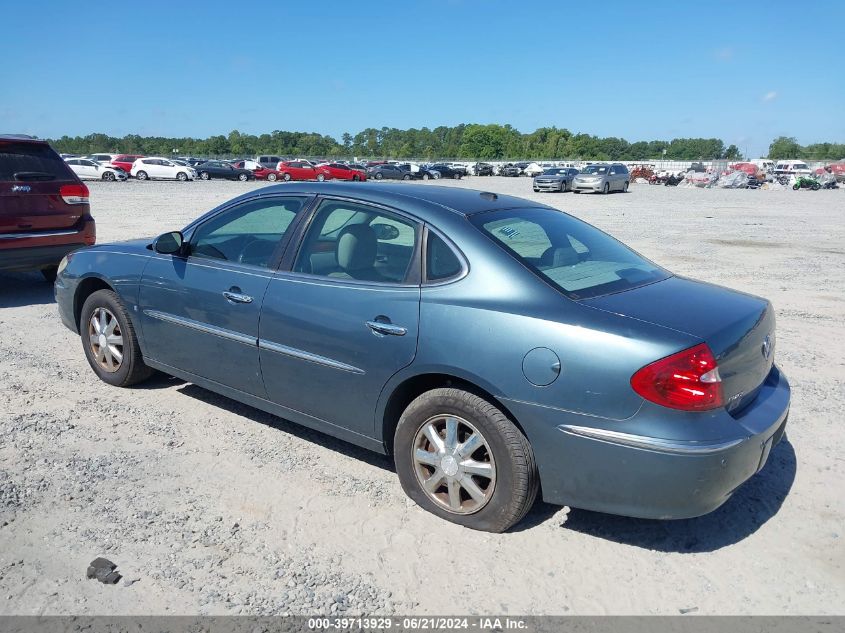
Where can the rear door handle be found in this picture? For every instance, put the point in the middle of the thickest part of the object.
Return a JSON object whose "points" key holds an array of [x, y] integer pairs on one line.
{"points": [[235, 296], [381, 328]]}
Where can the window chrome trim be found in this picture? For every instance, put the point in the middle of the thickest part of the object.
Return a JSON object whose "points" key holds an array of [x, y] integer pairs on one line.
{"points": [[203, 327], [26, 236], [308, 356], [674, 447]]}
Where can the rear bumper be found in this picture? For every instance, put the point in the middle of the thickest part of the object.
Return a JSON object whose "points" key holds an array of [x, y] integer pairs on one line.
{"points": [[611, 470], [35, 257]]}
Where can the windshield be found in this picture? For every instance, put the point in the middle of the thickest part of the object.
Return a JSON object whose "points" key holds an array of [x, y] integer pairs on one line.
{"points": [[595, 169], [554, 171], [573, 256]]}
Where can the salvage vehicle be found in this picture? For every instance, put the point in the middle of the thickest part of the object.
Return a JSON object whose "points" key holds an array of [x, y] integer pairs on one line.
{"points": [[806, 182], [482, 169], [389, 171], [509, 169], [493, 346], [125, 161], [555, 179], [44, 208], [340, 171], [89, 170], [258, 170], [218, 169], [602, 179], [159, 168], [300, 170], [448, 171]]}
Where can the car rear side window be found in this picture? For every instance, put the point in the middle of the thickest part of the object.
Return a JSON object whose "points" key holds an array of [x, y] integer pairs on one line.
{"points": [[31, 162], [247, 234], [573, 256], [355, 241], [441, 262]]}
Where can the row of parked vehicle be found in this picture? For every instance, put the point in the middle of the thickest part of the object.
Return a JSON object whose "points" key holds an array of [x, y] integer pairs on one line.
{"points": [[600, 178]]}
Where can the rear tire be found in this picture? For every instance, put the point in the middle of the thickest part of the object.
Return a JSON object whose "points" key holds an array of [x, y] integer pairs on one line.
{"points": [[503, 480], [286, 177], [106, 308], [406, 177], [271, 177], [379, 175], [321, 177], [108, 176], [181, 176], [205, 175], [243, 177], [356, 178], [141, 175], [456, 176], [426, 177]]}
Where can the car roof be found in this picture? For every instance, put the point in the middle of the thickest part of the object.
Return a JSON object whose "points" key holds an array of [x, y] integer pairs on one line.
{"points": [[22, 138], [431, 201]]}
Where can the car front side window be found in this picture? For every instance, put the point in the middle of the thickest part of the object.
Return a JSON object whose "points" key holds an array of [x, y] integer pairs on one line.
{"points": [[247, 234]]}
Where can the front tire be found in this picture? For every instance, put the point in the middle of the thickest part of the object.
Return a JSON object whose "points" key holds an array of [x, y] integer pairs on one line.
{"points": [[108, 176], [606, 189], [460, 458], [181, 176], [286, 177], [205, 175], [406, 177], [426, 176], [271, 177], [625, 188], [379, 175], [243, 177], [109, 341]]}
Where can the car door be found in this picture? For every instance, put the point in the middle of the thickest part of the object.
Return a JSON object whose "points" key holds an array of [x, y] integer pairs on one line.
{"points": [[200, 308], [345, 317]]}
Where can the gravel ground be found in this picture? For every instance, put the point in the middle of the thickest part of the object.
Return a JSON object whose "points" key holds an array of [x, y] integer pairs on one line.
{"points": [[211, 507]]}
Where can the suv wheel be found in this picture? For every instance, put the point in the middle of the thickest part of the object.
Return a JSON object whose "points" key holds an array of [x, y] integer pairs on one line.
{"points": [[109, 341], [606, 189], [461, 458]]}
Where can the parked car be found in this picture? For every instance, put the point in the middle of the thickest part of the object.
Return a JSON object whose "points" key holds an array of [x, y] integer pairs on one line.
{"points": [[260, 172], [389, 171], [555, 179], [448, 171], [102, 158], [300, 170], [44, 209], [619, 387], [159, 168], [602, 178], [218, 169], [340, 171], [125, 161], [89, 170], [268, 161], [792, 168], [509, 169], [482, 169]]}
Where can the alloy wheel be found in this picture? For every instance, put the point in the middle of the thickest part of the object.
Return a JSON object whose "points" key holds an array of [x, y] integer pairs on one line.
{"points": [[454, 464], [106, 339]]}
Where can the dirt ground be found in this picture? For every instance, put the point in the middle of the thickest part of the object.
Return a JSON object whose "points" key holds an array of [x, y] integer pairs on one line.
{"points": [[211, 507]]}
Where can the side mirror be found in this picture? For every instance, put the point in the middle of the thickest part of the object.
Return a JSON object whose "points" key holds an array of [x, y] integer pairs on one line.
{"points": [[168, 243], [385, 231]]}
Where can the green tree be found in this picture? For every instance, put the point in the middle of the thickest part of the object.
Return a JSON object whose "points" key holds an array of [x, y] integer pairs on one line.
{"points": [[785, 147]]}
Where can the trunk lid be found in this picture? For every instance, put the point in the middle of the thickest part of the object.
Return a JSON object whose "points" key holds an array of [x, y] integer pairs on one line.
{"points": [[739, 328], [31, 176]]}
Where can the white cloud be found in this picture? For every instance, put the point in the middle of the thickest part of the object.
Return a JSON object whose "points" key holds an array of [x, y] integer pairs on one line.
{"points": [[770, 96]]}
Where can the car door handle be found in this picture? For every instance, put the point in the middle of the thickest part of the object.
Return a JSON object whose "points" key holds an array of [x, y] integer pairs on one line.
{"points": [[381, 328], [235, 296]]}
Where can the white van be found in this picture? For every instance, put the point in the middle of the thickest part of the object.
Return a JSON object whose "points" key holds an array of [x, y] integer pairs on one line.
{"points": [[792, 168]]}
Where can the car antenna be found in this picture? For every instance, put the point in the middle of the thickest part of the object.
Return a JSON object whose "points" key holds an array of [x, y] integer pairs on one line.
{"points": [[489, 195]]}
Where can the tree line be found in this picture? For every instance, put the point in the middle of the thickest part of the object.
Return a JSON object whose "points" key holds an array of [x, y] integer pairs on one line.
{"points": [[473, 141]]}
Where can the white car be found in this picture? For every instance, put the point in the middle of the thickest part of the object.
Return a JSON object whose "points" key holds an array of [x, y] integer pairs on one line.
{"points": [[158, 168], [535, 169], [88, 169], [102, 158]]}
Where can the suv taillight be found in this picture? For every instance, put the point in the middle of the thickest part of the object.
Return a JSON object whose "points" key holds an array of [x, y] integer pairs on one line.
{"points": [[74, 194], [688, 380]]}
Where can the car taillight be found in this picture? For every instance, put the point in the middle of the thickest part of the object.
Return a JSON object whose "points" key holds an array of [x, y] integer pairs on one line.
{"points": [[688, 380], [74, 194]]}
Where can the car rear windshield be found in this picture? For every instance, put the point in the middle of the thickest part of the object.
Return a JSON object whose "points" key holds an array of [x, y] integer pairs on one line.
{"points": [[573, 256], [31, 162]]}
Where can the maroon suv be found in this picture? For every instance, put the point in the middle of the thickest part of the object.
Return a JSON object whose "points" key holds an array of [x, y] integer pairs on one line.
{"points": [[44, 210]]}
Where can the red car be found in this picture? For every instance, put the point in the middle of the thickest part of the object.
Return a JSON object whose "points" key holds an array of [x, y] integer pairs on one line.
{"points": [[339, 171], [261, 173], [300, 170], [124, 161], [44, 210]]}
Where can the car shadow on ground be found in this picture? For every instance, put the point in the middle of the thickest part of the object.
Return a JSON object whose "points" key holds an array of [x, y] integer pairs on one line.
{"points": [[24, 289], [754, 503], [256, 415]]}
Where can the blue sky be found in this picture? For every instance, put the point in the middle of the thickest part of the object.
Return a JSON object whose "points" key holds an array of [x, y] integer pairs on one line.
{"points": [[743, 72]]}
